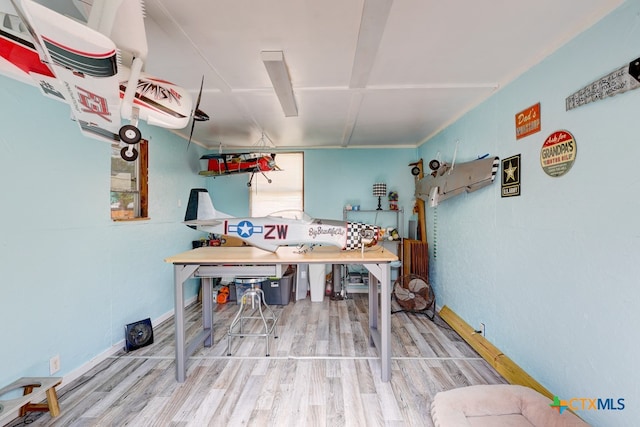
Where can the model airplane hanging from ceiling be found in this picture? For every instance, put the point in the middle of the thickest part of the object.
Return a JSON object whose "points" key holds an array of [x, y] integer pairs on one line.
{"points": [[278, 229], [235, 163], [448, 180], [96, 68]]}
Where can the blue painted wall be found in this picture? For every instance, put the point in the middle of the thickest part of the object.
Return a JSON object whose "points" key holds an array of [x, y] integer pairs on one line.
{"points": [[551, 273], [554, 273], [332, 179], [71, 277], [336, 177]]}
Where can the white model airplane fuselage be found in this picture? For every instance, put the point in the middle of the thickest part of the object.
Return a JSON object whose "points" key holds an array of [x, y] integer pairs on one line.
{"points": [[96, 68], [279, 229]]}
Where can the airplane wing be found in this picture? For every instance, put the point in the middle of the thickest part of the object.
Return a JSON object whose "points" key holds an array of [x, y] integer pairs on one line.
{"points": [[122, 21], [464, 177], [20, 57], [223, 164], [209, 222], [240, 156], [85, 64], [262, 245]]}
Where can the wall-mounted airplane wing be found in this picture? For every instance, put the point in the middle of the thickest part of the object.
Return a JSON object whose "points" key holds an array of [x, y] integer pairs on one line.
{"points": [[446, 181]]}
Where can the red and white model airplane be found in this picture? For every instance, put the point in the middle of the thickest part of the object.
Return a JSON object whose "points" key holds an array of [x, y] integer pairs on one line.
{"points": [[235, 163], [278, 229], [96, 68]]}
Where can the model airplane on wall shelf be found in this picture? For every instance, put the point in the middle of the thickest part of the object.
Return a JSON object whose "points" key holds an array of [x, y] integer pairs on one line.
{"points": [[449, 180], [236, 163], [285, 228], [96, 68]]}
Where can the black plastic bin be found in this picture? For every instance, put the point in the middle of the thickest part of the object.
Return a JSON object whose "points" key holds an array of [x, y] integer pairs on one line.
{"points": [[278, 291]]}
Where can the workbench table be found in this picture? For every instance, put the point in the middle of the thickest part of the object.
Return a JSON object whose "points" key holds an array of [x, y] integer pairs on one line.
{"points": [[208, 262]]}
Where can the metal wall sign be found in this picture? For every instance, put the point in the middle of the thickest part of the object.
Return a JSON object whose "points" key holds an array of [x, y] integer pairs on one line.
{"points": [[528, 121], [619, 81], [558, 153], [511, 176]]}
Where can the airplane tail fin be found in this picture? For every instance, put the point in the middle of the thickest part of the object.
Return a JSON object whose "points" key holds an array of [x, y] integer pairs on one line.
{"points": [[200, 207]]}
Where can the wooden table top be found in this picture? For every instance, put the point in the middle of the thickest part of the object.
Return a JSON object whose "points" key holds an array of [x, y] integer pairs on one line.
{"points": [[284, 255]]}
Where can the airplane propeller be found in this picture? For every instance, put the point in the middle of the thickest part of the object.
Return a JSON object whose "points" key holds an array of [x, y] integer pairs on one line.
{"points": [[275, 167], [197, 114]]}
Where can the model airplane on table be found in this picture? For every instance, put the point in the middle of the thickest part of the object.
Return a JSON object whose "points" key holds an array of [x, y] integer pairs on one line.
{"points": [[278, 229], [96, 68], [230, 164], [448, 180]]}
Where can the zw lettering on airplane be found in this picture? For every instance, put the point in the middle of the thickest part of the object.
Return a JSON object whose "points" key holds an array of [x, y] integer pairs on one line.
{"points": [[276, 231]]}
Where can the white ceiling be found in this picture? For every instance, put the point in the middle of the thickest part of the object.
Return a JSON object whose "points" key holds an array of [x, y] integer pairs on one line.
{"points": [[420, 64]]}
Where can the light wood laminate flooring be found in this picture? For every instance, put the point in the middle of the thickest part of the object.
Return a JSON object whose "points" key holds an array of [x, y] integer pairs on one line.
{"points": [[321, 372]]}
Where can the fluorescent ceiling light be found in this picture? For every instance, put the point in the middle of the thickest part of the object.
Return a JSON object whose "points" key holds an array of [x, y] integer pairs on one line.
{"points": [[279, 75], [372, 25]]}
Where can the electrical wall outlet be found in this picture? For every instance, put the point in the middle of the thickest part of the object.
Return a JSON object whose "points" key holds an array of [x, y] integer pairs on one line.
{"points": [[482, 329], [54, 364]]}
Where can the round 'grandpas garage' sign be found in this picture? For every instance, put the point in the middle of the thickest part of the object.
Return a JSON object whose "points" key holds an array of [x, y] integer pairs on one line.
{"points": [[558, 153]]}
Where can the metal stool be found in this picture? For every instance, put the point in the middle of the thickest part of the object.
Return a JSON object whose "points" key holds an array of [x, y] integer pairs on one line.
{"points": [[253, 297]]}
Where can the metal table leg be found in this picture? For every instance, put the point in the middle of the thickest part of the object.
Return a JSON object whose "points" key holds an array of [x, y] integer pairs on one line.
{"points": [[380, 335], [181, 273]]}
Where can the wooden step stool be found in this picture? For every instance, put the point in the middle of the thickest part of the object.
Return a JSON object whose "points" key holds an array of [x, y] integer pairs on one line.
{"points": [[35, 390]]}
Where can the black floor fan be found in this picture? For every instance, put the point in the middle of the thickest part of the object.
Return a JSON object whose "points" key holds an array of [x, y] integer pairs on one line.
{"points": [[138, 334]]}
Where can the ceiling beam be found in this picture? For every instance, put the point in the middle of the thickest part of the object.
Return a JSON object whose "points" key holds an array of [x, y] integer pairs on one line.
{"points": [[372, 26]]}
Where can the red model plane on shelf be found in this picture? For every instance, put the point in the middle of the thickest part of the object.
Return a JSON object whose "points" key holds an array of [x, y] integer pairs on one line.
{"points": [[235, 163]]}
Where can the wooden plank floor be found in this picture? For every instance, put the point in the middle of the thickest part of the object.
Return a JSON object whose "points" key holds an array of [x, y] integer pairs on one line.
{"points": [[321, 372]]}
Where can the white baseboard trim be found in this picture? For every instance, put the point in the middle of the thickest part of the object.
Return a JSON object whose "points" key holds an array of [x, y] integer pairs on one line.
{"points": [[69, 377]]}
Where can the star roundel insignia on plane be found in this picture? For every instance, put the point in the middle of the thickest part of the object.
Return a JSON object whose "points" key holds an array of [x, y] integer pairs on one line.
{"points": [[246, 229]]}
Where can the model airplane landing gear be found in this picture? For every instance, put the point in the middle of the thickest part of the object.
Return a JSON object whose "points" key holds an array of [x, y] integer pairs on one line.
{"points": [[263, 174], [130, 134], [129, 153]]}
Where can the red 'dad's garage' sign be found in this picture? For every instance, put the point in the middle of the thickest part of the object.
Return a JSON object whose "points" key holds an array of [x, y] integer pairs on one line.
{"points": [[528, 121], [558, 153]]}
